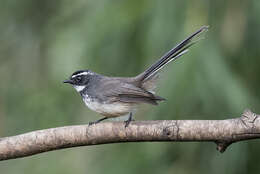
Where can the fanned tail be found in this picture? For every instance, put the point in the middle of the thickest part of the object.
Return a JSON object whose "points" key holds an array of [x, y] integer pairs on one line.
{"points": [[171, 55]]}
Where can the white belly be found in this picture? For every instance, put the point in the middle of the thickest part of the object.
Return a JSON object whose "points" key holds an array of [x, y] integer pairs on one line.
{"points": [[110, 110]]}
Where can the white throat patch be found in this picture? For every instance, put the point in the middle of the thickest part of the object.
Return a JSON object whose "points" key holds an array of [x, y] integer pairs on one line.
{"points": [[79, 88]]}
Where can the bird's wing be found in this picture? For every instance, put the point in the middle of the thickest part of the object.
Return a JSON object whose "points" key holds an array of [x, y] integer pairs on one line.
{"points": [[125, 92]]}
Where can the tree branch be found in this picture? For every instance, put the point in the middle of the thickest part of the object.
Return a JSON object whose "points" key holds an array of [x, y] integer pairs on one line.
{"points": [[222, 132]]}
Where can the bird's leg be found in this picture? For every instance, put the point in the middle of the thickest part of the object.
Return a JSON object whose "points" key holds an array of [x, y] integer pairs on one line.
{"points": [[130, 118], [95, 122]]}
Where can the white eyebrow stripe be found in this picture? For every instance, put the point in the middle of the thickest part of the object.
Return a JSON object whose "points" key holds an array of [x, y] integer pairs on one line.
{"points": [[83, 73]]}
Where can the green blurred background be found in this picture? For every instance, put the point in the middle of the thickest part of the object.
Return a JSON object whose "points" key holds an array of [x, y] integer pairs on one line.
{"points": [[43, 42]]}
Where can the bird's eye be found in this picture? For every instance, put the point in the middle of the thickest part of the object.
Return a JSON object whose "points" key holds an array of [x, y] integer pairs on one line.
{"points": [[78, 79]]}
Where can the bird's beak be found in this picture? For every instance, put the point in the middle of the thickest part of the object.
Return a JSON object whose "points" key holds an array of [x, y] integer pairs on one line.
{"points": [[67, 81]]}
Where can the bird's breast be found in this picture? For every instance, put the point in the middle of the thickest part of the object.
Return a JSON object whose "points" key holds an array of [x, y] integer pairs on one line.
{"points": [[114, 109]]}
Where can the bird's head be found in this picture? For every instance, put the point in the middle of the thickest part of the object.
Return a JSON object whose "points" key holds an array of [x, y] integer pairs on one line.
{"points": [[79, 79]]}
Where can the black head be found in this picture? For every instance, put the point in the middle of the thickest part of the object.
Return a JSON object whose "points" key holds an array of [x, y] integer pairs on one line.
{"points": [[79, 79]]}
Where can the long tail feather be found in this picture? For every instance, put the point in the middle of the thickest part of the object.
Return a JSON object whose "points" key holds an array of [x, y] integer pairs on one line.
{"points": [[173, 54]]}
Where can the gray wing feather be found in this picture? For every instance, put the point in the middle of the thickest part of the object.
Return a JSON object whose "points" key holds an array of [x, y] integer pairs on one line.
{"points": [[115, 90]]}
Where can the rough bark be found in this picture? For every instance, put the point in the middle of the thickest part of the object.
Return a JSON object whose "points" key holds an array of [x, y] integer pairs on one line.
{"points": [[222, 132]]}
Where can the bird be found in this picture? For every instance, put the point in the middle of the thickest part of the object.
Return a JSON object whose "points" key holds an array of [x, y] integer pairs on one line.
{"points": [[118, 96]]}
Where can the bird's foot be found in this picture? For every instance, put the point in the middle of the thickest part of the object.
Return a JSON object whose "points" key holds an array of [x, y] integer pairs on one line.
{"points": [[97, 121], [130, 118], [92, 122]]}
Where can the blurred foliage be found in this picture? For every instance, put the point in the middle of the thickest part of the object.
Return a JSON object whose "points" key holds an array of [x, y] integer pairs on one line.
{"points": [[43, 42]]}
